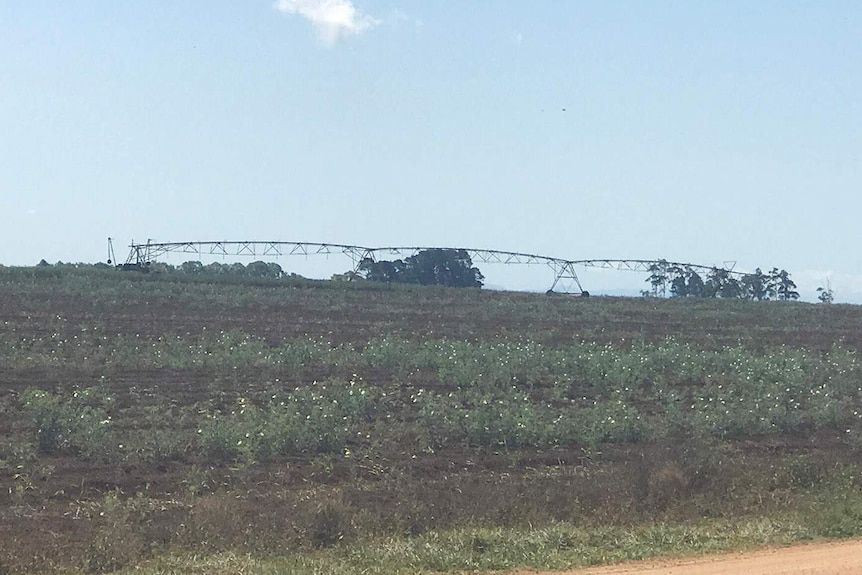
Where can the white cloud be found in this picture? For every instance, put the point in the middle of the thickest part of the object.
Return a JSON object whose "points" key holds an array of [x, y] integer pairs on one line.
{"points": [[333, 19]]}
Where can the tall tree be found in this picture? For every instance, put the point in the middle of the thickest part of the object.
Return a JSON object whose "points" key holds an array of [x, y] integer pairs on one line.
{"points": [[782, 286], [677, 279], [686, 282], [755, 286], [192, 268], [658, 278], [261, 269], [438, 266], [720, 283], [695, 284], [383, 271], [446, 267]]}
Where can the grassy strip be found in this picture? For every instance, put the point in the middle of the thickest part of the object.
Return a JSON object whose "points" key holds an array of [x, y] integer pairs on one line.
{"points": [[556, 547]]}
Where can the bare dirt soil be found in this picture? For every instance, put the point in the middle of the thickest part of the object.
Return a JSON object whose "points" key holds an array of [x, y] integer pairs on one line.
{"points": [[844, 558], [51, 507]]}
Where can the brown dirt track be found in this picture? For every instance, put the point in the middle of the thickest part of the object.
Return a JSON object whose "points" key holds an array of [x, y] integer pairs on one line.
{"points": [[844, 558]]}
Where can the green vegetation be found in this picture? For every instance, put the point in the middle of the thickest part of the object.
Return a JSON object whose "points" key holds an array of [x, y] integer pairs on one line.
{"points": [[67, 424], [685, 281], [182, 422], [436, 266], [313, 419], [555, 546]]}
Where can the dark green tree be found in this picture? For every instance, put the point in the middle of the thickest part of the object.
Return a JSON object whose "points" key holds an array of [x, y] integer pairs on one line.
{"points": [[444, 267], [755, 286], [678, 283], [781, 286], [192, 268], [658, 278], [695, 284], [383, 271], [720, 283], [215, 269], [686, 282], [260, 269], [438, 266]]}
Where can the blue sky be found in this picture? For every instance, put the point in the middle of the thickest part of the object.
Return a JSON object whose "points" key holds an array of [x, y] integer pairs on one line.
{"points": [[690, 131]]}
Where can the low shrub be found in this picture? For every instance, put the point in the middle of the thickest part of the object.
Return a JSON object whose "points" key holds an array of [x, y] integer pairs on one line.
{"points": [[76, 423], [320, 418]]}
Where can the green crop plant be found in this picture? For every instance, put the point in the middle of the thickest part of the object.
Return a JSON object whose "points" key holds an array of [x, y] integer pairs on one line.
{"points": [[319, 418], [77, 423]]}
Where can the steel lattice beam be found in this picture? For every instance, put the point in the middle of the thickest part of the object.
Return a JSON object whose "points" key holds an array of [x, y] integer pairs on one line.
{"points": [[565, 276]]}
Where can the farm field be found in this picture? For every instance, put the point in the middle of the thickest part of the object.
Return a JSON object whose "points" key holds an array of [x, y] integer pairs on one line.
{"points": [[172, 424]]}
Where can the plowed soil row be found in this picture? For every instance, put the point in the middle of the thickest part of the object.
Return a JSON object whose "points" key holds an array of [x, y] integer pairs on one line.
{"points": [[51, 507]]}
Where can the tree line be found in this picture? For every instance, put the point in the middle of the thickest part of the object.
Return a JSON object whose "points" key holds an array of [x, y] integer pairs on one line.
{"points": [[254, 270], [436, 266], [685, 281], [454, 268]]}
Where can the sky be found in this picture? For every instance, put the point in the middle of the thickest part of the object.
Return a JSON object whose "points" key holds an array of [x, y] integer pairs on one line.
{"points": [[702, 132]]}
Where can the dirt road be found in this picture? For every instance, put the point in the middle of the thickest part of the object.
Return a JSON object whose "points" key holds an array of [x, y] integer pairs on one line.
{"points": [[843, 558]]}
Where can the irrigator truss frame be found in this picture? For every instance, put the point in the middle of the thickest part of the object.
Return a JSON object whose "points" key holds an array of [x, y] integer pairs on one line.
{"points": [[565, 276]]}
